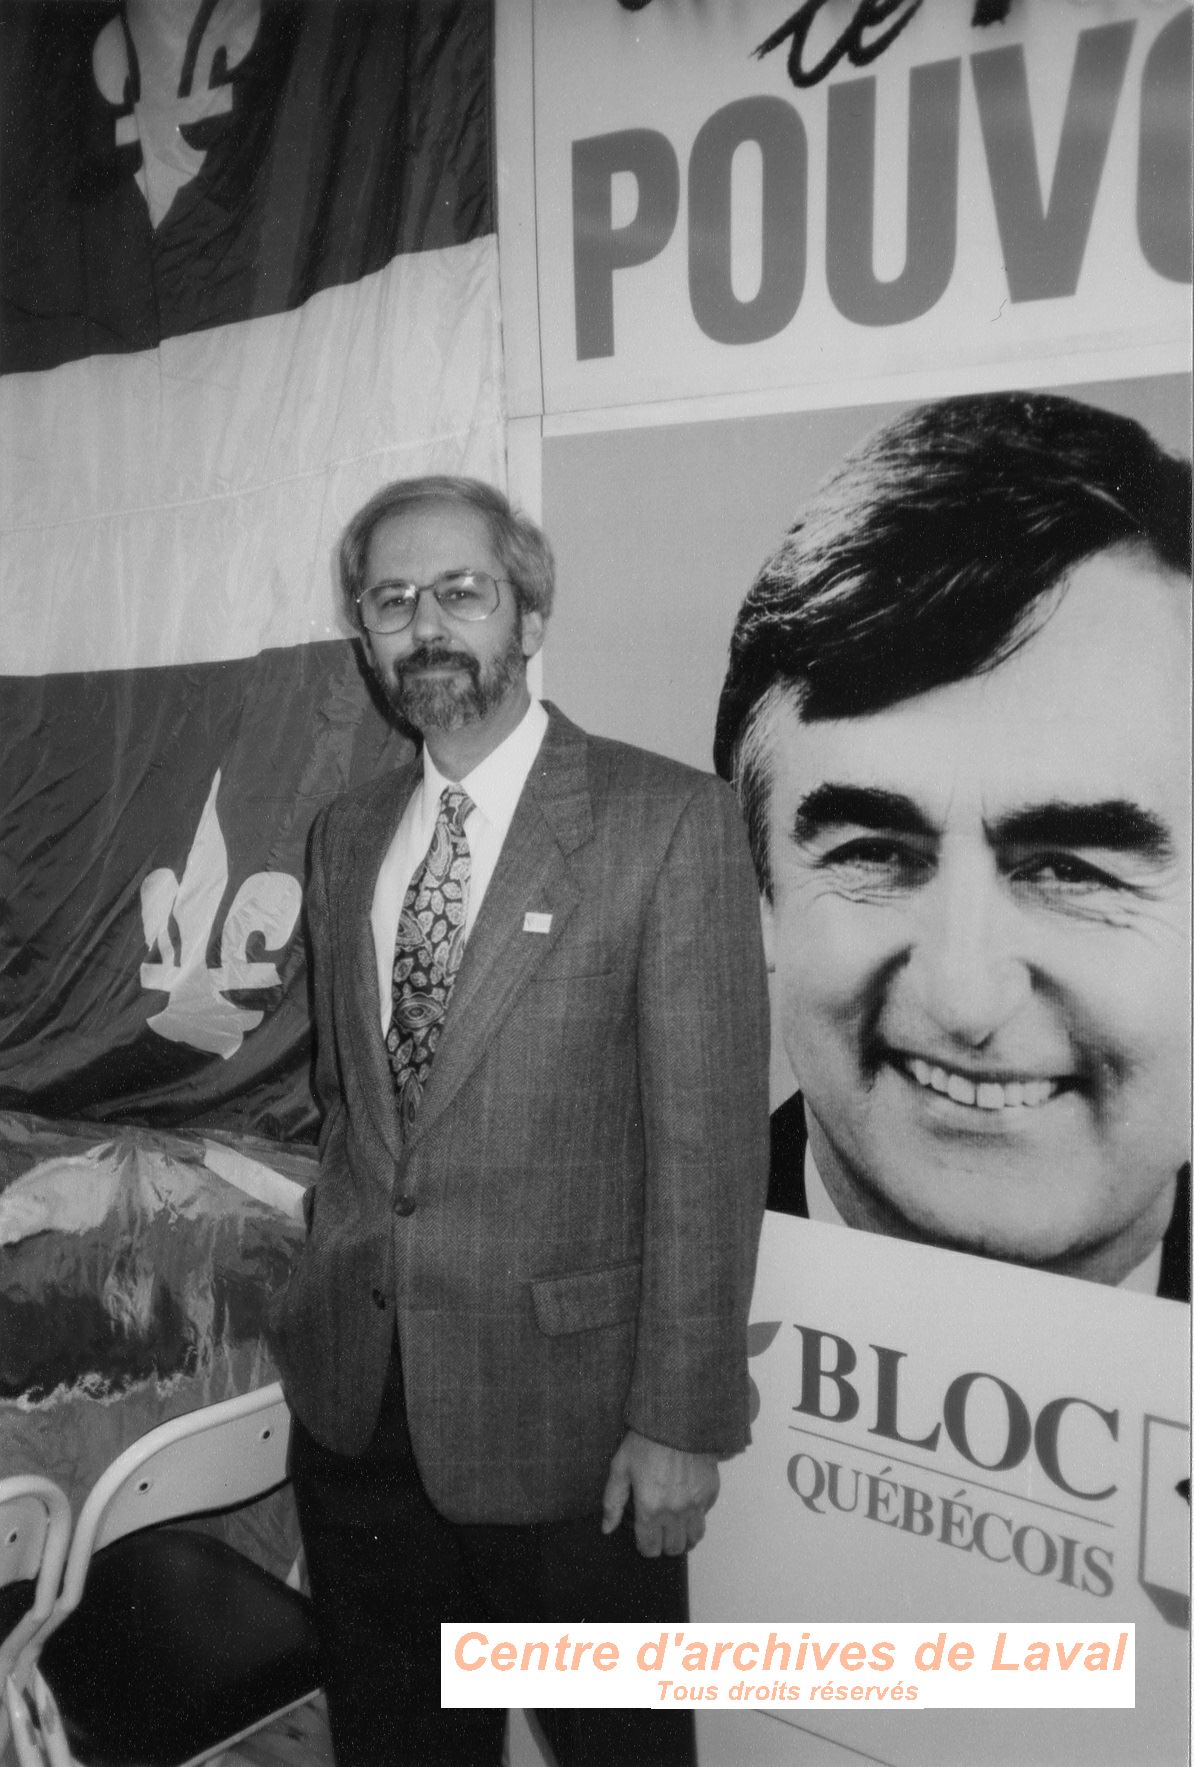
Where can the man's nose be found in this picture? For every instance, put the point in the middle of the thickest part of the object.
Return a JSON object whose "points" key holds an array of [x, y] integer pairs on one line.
{"points": [[427, 622], [967, 967]]}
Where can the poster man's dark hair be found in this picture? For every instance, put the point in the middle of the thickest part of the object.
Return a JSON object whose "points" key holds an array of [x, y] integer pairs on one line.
{"points": [[930, 555]]}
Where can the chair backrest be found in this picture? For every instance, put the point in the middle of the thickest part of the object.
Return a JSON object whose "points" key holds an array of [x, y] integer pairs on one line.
{"points": [[209, 1459], [34, 1534]]}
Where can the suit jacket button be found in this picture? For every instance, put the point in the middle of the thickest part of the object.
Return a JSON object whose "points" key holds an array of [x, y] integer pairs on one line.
{"points": [[404, 1205], [379, 1300]]}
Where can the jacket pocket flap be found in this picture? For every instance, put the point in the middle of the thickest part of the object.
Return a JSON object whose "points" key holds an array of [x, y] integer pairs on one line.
{"points": [[586, 1299]]}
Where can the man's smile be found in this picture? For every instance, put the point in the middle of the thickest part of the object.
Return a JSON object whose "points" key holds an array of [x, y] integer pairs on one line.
{"points": [[979, 1091]]}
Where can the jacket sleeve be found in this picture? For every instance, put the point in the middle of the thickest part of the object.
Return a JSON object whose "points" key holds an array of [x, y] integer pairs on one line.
{"points": [[703, 1065]]}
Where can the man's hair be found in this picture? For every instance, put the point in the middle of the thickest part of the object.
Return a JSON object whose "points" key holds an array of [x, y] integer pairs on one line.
{"points": [[929, 556], [520, 547]]}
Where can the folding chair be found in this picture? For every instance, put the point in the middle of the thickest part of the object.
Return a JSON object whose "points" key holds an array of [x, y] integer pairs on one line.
{"points": [[166, 1645], [34, 1534]]}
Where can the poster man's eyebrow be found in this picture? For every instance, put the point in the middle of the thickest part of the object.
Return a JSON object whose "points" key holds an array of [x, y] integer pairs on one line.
{"points": [[1115, 824], [858, 806]]}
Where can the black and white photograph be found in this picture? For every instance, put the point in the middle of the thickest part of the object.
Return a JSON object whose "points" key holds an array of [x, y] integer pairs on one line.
{"points": [[595, 881]]}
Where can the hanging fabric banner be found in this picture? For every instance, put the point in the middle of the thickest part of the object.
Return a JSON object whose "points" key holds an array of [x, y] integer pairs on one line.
{"points": [[249, 274]]}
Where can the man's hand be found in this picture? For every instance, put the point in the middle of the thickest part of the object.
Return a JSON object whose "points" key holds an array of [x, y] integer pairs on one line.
{"points": [[672, 1492]]}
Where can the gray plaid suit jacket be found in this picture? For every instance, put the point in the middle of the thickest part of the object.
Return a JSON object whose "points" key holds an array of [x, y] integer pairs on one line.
{"points": [[566, 1242]]}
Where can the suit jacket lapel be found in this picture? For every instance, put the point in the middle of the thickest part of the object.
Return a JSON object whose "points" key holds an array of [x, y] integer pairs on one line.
{"points": [[553, 818], [363, 850]]}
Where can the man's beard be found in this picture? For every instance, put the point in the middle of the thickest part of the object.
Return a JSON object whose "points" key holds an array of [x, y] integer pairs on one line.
{"points": [[450, 701]]}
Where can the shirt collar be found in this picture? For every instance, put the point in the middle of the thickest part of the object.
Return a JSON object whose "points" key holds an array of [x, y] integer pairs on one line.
{"points": [[496, 783], [821, 1206]]}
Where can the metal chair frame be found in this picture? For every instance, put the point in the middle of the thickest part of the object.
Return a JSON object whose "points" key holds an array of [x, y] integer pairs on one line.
{"points": [[34, 1537], [206, 1460]]}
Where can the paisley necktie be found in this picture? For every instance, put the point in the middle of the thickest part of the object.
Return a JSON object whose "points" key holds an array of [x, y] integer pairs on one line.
{"points": [[427, 952]]}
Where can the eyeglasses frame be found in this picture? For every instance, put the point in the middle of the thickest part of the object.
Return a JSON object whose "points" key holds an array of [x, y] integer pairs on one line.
{"points": [[433, 588]]}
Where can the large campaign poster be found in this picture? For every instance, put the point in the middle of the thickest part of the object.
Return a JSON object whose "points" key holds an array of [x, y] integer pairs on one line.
{"points": [[732, 203], [759, 234]]}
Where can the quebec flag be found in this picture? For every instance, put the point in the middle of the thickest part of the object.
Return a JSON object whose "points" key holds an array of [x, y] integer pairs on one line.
{"points": [[249, 273]]}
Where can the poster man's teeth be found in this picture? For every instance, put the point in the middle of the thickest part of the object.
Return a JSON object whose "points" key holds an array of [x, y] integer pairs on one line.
{"points": [[984, 1095]]}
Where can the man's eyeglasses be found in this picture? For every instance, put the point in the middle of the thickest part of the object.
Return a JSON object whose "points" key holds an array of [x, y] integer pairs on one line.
{"points": [[462, 595]]}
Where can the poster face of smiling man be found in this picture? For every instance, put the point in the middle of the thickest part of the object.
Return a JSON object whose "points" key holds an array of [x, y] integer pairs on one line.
{"points": [[957, 713]]}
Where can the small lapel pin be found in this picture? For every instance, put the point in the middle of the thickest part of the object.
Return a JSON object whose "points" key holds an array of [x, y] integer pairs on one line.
{"points": [[536, 923]]}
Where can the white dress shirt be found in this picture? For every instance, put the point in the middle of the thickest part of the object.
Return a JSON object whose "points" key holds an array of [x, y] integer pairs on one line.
{"points": [[495, 788]]}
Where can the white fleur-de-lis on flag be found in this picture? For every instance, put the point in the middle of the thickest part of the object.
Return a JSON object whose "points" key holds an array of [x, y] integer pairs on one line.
{"points": [[178, 917]]}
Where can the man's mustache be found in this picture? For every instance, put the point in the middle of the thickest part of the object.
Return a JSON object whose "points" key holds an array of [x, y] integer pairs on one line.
{"points": [[437, 656]]}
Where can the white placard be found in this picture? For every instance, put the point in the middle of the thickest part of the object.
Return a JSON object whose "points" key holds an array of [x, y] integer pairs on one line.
{"points": [[944, 1438], [966, 198]]}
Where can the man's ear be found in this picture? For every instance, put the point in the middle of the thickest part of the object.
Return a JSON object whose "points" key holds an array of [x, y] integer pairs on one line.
{"points": [[532, 632], [767, 917]]}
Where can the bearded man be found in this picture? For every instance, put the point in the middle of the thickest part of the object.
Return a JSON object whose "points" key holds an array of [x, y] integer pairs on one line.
{"points": [[516, 1344]]}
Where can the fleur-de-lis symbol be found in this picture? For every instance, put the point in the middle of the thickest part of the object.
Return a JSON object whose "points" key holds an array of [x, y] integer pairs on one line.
{"points": [[178, 917], [1165, 1518], [167, 64]]}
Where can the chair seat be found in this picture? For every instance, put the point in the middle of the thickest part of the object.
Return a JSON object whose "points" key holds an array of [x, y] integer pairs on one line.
{"points": [[180, 1642]]}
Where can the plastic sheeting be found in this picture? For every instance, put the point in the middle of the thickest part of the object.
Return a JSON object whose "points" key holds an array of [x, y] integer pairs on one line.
{"points": [[134, 1286]]}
